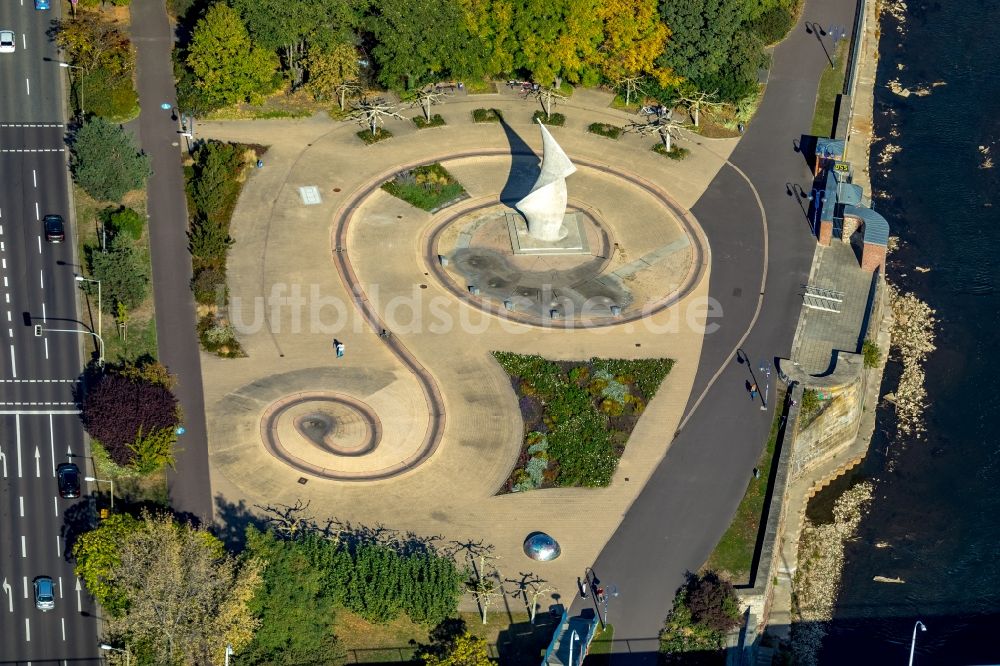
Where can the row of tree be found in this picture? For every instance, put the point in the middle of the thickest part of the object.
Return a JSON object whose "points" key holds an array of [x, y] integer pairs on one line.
{"points": [[175, 596], [242, 49]]}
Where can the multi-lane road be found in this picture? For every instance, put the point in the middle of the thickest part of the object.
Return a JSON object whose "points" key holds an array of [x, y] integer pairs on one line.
{"points": [[39, 426]]}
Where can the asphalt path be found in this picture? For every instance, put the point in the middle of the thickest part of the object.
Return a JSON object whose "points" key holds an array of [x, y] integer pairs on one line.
{"points": [[759, 236], [189, 483], [39, 427]]}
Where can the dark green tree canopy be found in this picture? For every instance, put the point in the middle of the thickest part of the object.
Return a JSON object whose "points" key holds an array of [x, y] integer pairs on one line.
{"points": [[106, 162]]}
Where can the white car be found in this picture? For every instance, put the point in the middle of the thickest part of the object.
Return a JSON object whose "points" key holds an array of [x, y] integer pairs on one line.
{"points": [[7, 41]]}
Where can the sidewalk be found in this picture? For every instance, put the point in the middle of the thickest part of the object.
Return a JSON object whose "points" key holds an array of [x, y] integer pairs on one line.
{"points": [[189, 483]]}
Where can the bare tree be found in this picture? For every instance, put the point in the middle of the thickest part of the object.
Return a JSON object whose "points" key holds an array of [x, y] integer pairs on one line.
{"points": [[425, 98], [486, 586], [548, 98], [631, 85], [289, 520], [696, 100], [372, 112], [531, 588], [665, 128], [345, 89]]}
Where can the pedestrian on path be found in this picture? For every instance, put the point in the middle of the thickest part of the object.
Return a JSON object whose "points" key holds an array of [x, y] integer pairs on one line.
{"points": [[753, 391], [338, 346]]}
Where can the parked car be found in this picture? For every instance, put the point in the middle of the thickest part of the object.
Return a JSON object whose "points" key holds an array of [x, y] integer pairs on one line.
{"points": [[68, 475], [55, 230], [41, 4], [45, 598], [8, 41]]}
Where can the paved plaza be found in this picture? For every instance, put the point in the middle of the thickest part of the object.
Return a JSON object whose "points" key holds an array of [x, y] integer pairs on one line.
{"points": [[416, 427]]}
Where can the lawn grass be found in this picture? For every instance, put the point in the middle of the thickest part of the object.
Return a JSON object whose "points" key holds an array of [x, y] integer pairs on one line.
{"points": [[138, 338], [510, 636], [483, 87], [427, 187], [600, 647], [733, 555], [831, 84]]}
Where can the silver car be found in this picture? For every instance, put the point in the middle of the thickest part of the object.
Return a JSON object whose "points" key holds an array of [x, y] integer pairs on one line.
{"points": [[8, 41], [45, 598]]}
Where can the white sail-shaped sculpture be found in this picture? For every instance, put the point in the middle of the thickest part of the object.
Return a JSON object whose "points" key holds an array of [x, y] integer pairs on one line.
{"points": [[545, 206]]}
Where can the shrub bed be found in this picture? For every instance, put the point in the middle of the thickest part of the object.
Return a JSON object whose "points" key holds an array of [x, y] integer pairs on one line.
{"points": [[604, 129], [435, 121], [379, 135], [577, 416], [556, 119], [427, 187], [675, 153], [487, 115], [214, 182]]}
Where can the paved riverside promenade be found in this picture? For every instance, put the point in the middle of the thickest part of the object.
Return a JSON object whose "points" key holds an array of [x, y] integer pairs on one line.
{"points": [[286, 248]]}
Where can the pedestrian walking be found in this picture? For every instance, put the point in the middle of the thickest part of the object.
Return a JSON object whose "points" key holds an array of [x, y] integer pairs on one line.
{"points": [[753, 391], [338, 347]]}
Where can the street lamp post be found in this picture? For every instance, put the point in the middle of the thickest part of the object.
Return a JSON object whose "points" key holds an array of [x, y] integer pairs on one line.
{"points": [[91, 479], [39, 330], [108, 648], [572, 637], [765, 368], [913, 641], [100, 309], [69, 66]]}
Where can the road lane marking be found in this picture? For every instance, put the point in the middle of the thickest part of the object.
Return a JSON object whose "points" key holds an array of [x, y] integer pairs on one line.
{"points": [[39, 404], [37, 215], [79, 603], [52, 444], [55, 505], [33, 150], [62, 621], [24, 41], [5, 281], [8, 316], [39, 237], [25, 587], [27, 629], [38, 381], [60, 587], [46, 349], [27, 86], [3, 458], [32, 125], [38, 463], [10, 594], [59, 545], [17, 432], [20, 500], [38, 412], [34, 177], [44, 318], [24, 546], [13, 362], [7, 298], [41, 278]]}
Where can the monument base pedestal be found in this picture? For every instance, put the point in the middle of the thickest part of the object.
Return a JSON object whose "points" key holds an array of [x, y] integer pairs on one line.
{"points": [[521, 242]]}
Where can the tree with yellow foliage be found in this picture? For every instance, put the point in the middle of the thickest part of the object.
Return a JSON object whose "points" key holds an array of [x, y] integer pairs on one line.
{"points": [[466, 650], [558, 38], [634, 37]]}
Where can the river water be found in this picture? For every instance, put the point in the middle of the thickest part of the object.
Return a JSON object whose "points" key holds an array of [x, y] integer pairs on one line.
{"points": [[936, 507]]}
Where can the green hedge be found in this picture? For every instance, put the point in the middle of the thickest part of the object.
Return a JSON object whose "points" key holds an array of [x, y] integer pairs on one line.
{"points": [[604, 129], [487, 115], [435, 121], [556, 119]]}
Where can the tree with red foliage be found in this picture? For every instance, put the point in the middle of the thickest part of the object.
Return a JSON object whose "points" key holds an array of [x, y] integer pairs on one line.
{"points": [[120, 409]]}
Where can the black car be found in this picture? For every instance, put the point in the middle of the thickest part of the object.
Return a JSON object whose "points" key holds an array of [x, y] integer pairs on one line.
{"points": [[55, 230], [69, 480]]}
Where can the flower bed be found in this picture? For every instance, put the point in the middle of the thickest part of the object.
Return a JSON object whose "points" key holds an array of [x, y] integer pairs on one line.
{"points": [[556, 119], [369, 138], [675, 153], [487, 115], [435, 121], [577, 415], [604, 129], [426, 187]]}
